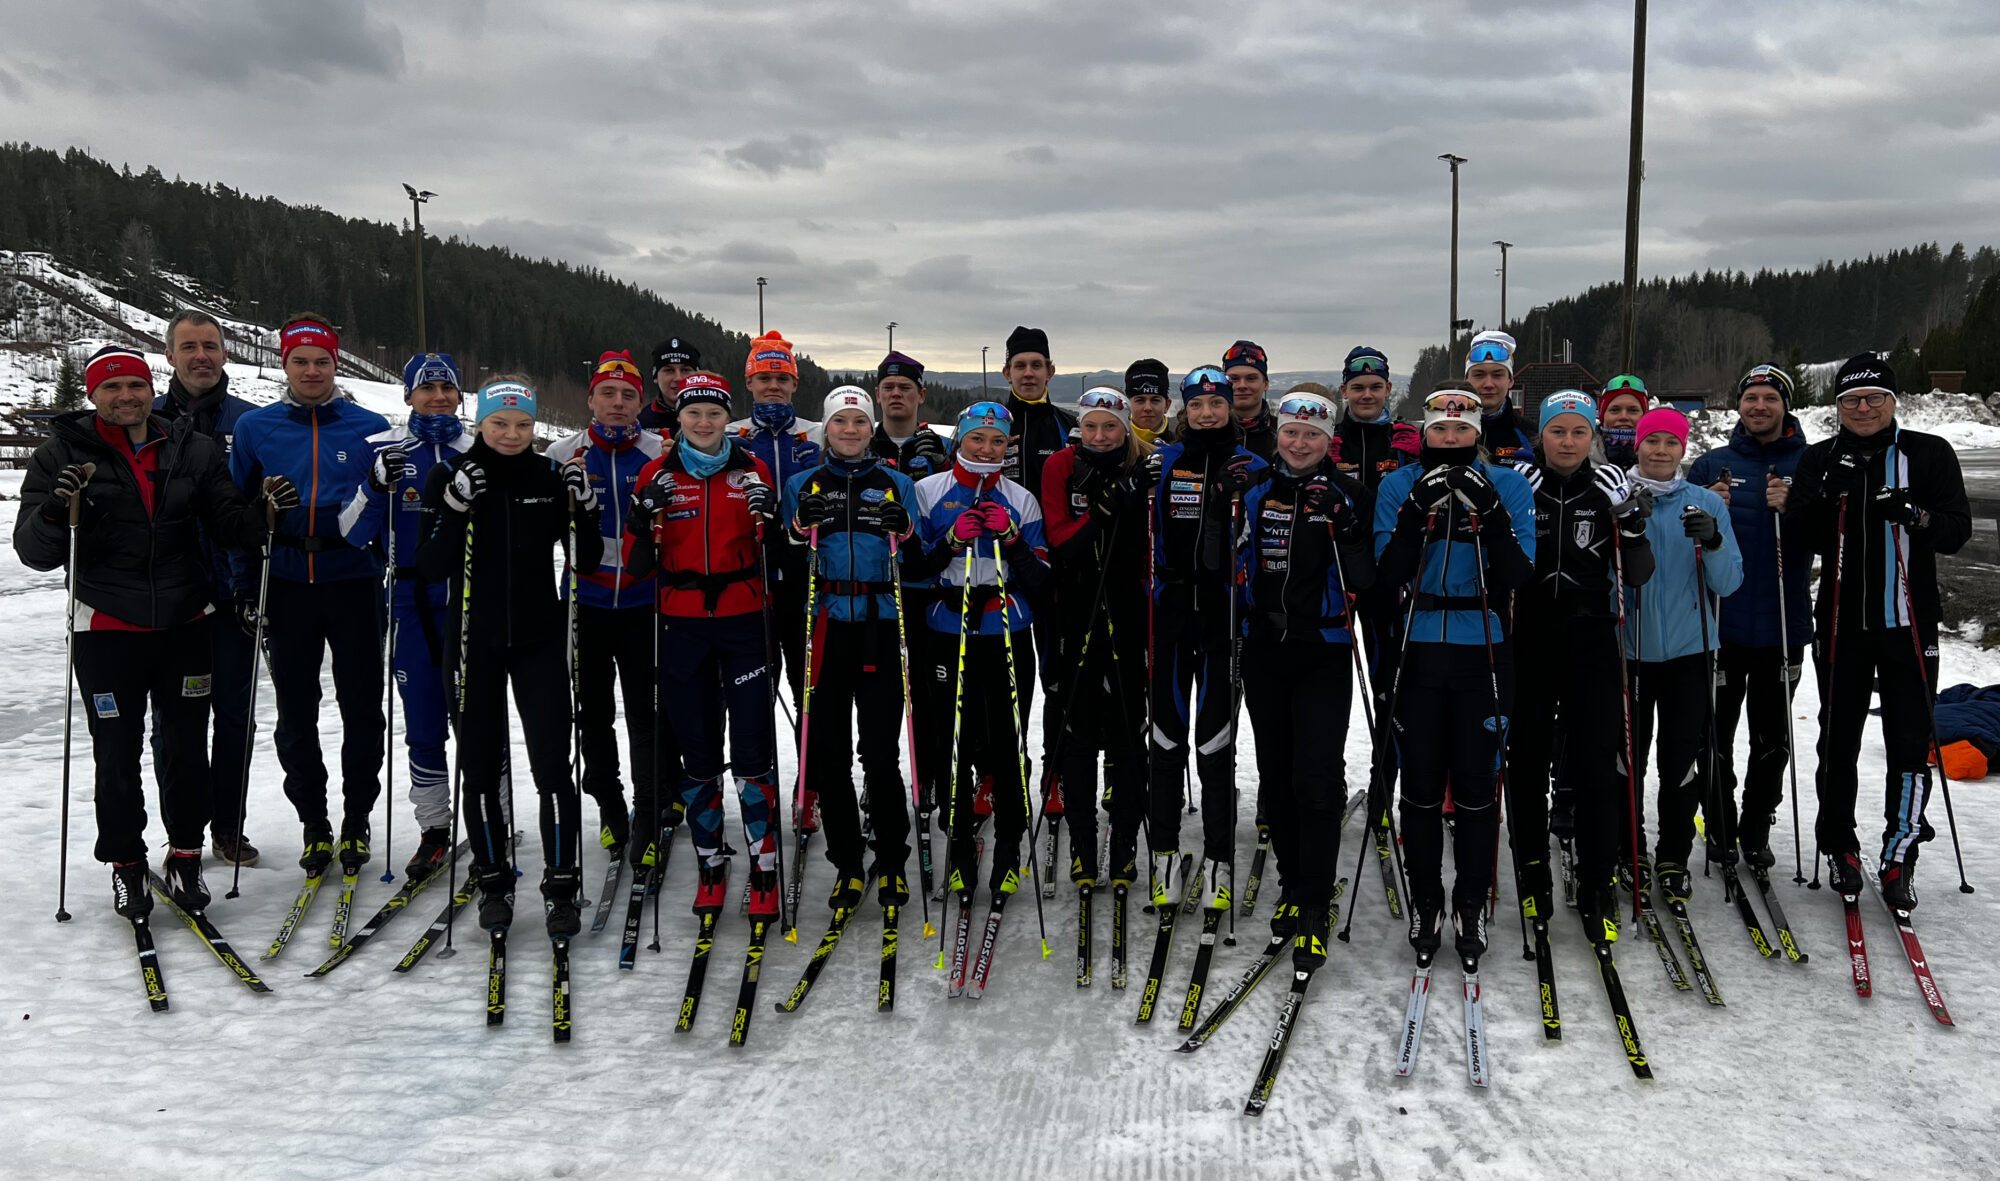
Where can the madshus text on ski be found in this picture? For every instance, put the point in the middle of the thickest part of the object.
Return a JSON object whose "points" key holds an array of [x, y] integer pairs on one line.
{"points": [[1525, 610]]}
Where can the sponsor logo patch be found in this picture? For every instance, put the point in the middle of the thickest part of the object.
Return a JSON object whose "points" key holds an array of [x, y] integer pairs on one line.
{"points": [[196, 686], [104, 705]]}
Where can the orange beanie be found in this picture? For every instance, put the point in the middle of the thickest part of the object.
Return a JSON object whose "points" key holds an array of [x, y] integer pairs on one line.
{"points": [[771, 353]]}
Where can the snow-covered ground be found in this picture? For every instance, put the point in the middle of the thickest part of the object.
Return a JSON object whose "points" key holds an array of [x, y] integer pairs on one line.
{"points": [[367, 1074], [1961, 419]]}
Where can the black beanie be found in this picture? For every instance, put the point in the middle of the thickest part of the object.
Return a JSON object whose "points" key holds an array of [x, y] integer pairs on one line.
{"points": [[1027, 340], [1147, 377], [674, 351], [900, 365], [1864, 371]]}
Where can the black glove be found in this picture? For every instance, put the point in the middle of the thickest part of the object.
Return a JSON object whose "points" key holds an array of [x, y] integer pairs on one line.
{"points": [[1237, 475], [467, 483], [1150, 469], [1642, 504], [656, 495], [281, 494], [68, 483], [1846, 471], [577, 481], [927, 449], [1316, 496], [1433, 491], [248, 619], [1701, 527], [1896, 506], [813, 510], [759, 500], [1474, 491], [390, 465], [887, 517]]}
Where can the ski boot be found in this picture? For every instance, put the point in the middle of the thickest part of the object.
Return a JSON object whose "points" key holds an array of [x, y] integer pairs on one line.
{"points": [[1126, 875], [1426, 928], [560, 890], [130, 896], [1285, 917], [1599, 909], [319, 849], [1215, 885], [1899, 884], [1162, 879], [353, 850], [1843, 873], [1314, 925], [1757, 851], [892, 889], [496, 896], [1005, 879], [1675, 882], [183, 873], [614, 829], [711, 891], [433, 850], [1469, 924], [764, 894], [847, 887], [235, 850], [1081, 875]]}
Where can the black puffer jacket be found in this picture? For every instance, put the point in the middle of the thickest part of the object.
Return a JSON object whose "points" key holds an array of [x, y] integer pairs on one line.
{"points": [[145, 568]]}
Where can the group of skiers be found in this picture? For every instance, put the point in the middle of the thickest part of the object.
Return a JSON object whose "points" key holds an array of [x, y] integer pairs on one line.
{"points": [[1527, 605]]}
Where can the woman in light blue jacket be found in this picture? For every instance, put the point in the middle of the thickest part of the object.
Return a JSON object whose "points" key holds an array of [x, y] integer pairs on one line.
{"points": [[1671, 636]]}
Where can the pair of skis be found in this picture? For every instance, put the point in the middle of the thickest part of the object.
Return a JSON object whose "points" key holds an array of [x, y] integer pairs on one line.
{"points": [[496, 984], [970, 980], [397, 903], [1690, 947], [1478, 1067], [205, 930], [1913, 950], [343, 912], [1732, 884], [1163, 941]]}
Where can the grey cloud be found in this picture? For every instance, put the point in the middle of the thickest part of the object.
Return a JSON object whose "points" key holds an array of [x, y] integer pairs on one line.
{"points": [[336, 37], [11, 87], [587, 244], [1036, 154], [772, 156]]}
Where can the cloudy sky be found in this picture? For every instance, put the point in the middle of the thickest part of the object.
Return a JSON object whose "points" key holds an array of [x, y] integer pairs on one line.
{"points": [[1154, 177]]}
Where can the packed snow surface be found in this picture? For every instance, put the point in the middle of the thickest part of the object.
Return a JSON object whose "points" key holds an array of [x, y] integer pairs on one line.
{"points": [[369, 1074]]}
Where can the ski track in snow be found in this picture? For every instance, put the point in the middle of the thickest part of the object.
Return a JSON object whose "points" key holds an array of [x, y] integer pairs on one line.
{"points": [[368, 1075]]}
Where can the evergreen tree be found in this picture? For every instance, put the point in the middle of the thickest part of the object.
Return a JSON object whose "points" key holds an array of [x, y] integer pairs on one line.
{"points": [[69, 386]]}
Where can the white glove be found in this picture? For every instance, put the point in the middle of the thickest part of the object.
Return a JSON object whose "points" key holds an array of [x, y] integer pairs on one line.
{"points": [[1616, 488], [466, 485], [578, 482]]}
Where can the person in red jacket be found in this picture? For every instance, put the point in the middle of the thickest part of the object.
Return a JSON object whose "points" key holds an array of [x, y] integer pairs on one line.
{"points": [[698, 519]]}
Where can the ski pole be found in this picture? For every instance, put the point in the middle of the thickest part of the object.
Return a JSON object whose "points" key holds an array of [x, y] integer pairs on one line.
{"points": [[458, 716], [1499, 719], [388, 699], [1785, 687], [1020, 732], [256, 659], [1901, 537], [575, 696], [1832, 654], [957, 735], [1233, 669], [1712, 787], [802, 796], [69, 695], [909, 709], [1627, 679]]}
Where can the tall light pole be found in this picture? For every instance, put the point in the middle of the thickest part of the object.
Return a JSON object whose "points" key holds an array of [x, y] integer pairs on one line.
{"points": [[1634, 170], [892, 336], [982, 367], [417, 201], [1543, 311], [1451, 336], [1503, 281], [760, 305]]}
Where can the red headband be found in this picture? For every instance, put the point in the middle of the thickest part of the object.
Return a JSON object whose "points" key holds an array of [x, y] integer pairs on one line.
{"points": [[110, 365], [307, 332]]}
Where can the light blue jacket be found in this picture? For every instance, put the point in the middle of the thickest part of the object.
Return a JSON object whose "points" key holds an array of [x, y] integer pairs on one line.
{"points": [[1662, 617]]}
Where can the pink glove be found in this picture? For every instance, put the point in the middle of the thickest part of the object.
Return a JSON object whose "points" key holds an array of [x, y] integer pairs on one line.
{"points": [[969, 527], [1407, 439], [994, 516]]}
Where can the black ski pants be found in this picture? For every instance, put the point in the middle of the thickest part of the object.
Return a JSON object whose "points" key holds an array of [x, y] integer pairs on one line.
{"points": [[1192, 652], [616, 644], [306, 620], [1847, 678], [1672, 695], [117, 673], [229, 711], [1446, 726], [1299, 693], [1108, 715], [1572, 687], [1760, 682], [857, 679], [540, 678]]}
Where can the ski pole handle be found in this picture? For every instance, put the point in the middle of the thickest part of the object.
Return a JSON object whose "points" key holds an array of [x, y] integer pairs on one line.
{"points": [[76, 501]]}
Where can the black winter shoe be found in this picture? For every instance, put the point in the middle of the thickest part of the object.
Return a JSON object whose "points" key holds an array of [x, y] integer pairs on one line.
{"points": [[1899, 885], [496, 897], [560, 889], [353, 850], [184, 885], [130, 895], [1470, 924], [319, 849], [433, 850], [1843, 873]]}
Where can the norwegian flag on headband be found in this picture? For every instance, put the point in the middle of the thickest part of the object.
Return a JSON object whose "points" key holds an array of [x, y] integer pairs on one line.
{"points": [[114, 363], [307, 332]]}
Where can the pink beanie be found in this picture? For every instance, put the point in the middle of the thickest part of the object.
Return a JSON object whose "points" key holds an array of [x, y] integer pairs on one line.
{"points": [[1662, 418]]}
